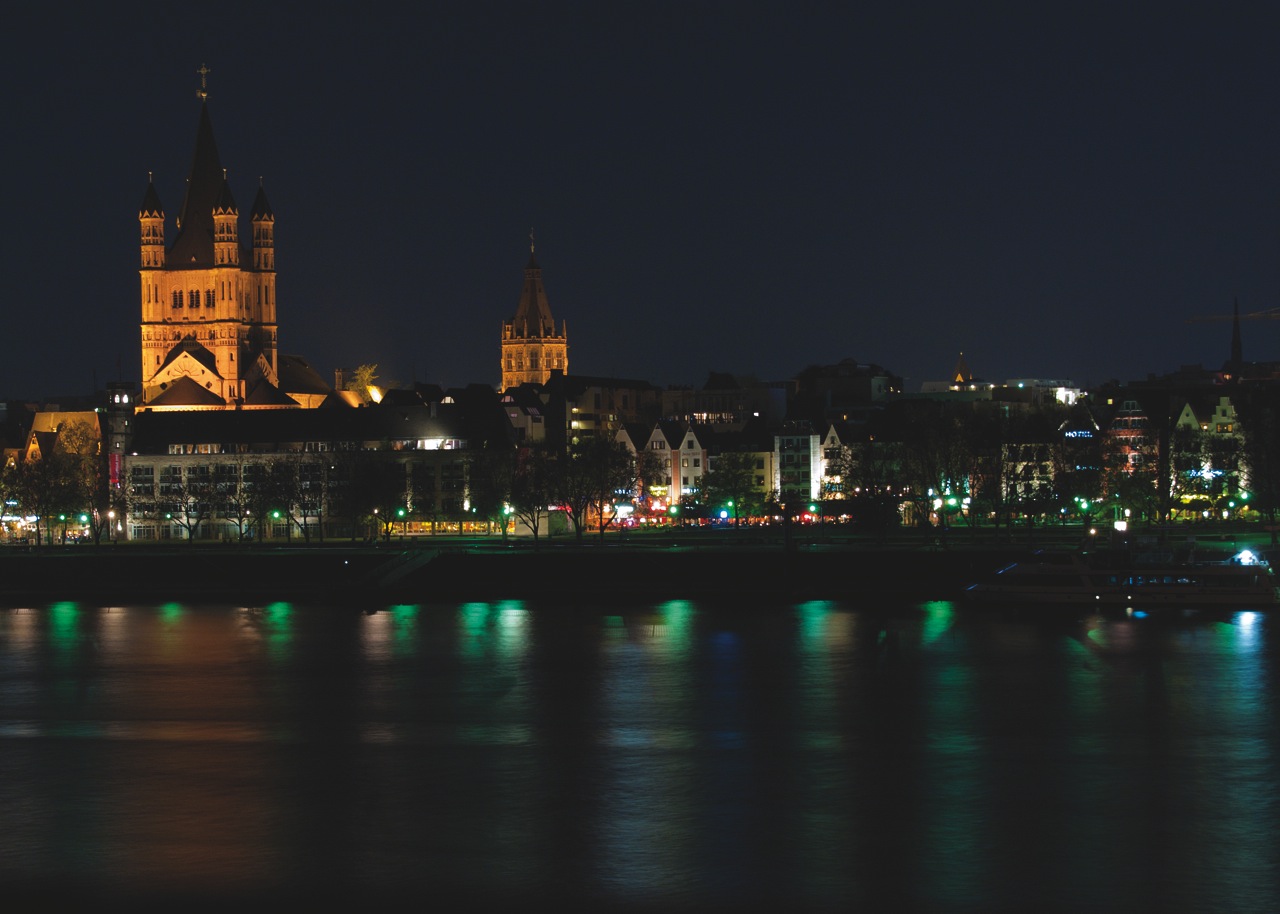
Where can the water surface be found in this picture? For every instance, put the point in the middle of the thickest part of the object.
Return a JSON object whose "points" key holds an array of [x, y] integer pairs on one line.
{"points": [[671, 755]]}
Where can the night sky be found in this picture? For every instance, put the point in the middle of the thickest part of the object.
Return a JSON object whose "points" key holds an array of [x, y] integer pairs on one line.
{"points": [[732, 187]]}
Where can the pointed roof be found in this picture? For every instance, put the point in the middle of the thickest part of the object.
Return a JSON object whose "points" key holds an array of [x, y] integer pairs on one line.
{"points": [[186, 392], [962, 374], [298, 377], [637, 434], [1237, 351], [226, 203], [194, 245], [261, 211], [264, 393], [198, 352], [151, 205], [533, 314]]}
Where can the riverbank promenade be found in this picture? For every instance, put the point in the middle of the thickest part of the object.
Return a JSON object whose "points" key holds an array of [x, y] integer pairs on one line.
{"points": [[767, 563]]}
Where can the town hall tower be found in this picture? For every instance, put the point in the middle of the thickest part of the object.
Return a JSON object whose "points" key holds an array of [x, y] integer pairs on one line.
{"points": [[531, 348]]}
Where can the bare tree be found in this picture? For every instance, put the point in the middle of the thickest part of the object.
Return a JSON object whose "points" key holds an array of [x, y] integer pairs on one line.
{"points": [[531, 487], [187, 496], [589, 479]]}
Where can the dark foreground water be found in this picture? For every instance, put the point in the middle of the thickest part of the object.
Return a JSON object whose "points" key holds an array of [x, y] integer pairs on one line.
{"points": [[664, 756]]}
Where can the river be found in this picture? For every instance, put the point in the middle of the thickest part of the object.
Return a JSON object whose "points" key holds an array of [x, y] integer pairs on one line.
{"points": [[643, 756]]}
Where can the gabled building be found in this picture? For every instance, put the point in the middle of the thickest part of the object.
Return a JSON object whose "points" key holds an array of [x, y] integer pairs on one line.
{"points": [[525, 412], [47, 427]]}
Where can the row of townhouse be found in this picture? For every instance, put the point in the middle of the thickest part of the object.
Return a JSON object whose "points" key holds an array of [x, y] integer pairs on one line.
{"points": [[165, 462], [785, 461]]}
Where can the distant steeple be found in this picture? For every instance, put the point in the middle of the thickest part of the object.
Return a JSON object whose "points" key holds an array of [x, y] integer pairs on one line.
{"points": [[961, 375], [1237, 352]]}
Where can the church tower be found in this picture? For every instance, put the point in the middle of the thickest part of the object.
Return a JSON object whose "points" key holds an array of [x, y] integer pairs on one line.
{"points": [[531, 348], [208, 301]]}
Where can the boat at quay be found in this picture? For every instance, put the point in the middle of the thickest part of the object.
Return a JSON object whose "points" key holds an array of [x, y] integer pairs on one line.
{"points": [[1133, 577]]}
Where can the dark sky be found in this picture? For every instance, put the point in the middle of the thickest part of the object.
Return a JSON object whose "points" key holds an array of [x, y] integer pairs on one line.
{"points": [[713, 186]]}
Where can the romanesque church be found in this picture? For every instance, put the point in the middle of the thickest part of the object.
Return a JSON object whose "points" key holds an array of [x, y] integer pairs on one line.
{"points": [[209, 296]]}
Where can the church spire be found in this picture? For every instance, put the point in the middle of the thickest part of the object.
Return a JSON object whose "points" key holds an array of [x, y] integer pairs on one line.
{"points": [[151, 223], [193, 246], [1237, 353]]}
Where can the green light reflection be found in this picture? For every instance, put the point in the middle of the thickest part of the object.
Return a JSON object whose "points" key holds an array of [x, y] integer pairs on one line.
{"points": [[938, 616], [277, 622]]}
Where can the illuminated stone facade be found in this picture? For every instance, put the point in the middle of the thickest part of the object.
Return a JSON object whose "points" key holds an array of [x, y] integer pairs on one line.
{"points": [[531, 347], [208, 299]]}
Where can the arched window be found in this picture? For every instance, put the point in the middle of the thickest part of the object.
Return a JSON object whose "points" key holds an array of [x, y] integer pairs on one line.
{"points": [[208, 298], [177, 298]]}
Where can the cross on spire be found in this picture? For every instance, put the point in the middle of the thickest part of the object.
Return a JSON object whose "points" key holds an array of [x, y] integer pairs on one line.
{"points": [[530, 241], [203, 92]]}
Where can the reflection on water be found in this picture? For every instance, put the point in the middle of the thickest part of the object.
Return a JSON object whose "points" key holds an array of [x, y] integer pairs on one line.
{"points": [[822, 754]]}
